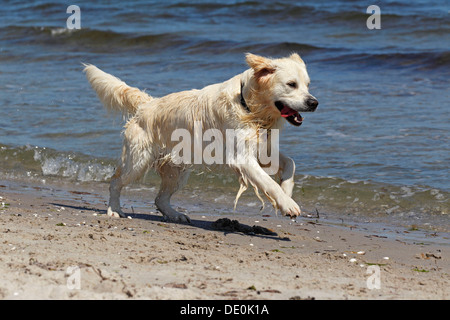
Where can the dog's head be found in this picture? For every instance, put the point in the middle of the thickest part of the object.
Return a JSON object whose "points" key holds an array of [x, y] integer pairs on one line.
{"points": [[281, 85]]}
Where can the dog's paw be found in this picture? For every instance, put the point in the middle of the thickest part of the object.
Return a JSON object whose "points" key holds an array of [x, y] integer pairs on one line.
{"points": [[290, 208], [115, 213]]}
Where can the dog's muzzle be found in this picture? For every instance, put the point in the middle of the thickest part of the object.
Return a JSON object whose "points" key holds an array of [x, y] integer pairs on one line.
{"points": [[312, 104], [292, 116]]}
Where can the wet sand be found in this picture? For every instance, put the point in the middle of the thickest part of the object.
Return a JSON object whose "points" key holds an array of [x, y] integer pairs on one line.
{"points": [[57, 243]]}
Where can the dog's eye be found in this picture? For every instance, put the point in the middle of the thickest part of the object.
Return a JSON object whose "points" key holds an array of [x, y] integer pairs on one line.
{"points": [[292, 84]]}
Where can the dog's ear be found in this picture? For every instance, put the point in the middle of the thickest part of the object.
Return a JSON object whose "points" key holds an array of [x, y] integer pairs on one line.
{"points": [[261, 66], [296, 57]]}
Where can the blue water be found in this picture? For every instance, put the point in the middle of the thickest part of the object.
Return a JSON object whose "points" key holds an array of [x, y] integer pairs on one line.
{"points": [[382, 123]]}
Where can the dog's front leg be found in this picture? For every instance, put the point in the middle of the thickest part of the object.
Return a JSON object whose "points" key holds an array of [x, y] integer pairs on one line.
{"points": [[286, 173], [252, 172]]}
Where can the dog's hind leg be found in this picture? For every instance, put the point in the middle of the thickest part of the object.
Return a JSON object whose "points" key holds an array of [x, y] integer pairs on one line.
{"points": [[286, 173], [115, 187], [124, 175], [172, 179], [136, 157]]}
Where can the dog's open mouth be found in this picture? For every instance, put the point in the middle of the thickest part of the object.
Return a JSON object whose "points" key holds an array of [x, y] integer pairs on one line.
{"points": [[291, 115]]}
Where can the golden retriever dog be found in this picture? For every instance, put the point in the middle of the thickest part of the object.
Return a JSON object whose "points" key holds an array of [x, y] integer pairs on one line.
{"points": [[261, 98]]}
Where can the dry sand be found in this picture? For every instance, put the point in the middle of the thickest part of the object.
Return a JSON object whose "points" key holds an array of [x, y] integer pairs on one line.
{"points": [[53, 236]]}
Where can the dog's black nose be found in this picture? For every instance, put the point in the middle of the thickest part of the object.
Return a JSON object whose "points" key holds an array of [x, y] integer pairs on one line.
{"points": [[312, 103]]}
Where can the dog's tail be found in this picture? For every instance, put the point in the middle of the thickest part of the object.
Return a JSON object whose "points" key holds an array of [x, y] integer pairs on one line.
{"points": [[115, 94]]}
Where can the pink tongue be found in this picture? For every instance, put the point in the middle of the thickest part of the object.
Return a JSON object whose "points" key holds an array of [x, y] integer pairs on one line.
{"points": [[287, 112]]}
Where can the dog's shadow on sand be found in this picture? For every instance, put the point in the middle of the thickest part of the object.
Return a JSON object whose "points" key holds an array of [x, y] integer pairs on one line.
{"points": [[224, 225]]}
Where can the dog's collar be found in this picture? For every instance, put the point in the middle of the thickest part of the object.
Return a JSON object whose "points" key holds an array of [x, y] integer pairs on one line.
{"points": [[243, 103]]}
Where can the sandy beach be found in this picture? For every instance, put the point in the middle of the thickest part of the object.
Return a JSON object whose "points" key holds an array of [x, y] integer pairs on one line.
{"points": [[371, 163], [57, 243]]}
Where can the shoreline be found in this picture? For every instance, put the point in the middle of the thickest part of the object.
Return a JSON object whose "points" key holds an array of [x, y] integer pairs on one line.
{"points": [[50, 230]]}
